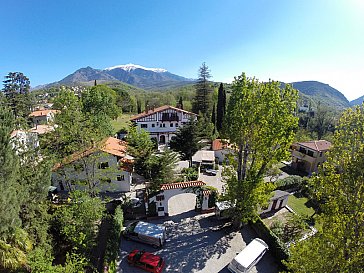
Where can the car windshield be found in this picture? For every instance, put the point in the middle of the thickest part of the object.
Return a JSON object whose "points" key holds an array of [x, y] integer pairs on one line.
{"points": [[138, 255]]}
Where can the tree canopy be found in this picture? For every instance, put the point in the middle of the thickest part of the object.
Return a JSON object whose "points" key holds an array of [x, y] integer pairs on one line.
{"points": [[260, 124], [339, 186]]}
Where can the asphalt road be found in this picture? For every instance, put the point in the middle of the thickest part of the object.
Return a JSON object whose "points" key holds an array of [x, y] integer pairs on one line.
{"points": [[195, 242]]}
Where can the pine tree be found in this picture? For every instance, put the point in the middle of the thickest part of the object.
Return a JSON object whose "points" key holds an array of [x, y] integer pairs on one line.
{"points": [[221, 107], [16, 90], [202, 102]]}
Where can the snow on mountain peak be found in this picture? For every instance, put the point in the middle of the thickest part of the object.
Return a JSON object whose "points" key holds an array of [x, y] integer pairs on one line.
{"points": [[129, 67]]}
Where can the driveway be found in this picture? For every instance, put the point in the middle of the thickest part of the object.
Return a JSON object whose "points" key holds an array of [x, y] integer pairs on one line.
{"points": [[197, 243]]}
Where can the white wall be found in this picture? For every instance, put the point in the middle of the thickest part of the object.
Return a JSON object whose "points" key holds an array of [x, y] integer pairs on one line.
{"points": [[77, 171]]}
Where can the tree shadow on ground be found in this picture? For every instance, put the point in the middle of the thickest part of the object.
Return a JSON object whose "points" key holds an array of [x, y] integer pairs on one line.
{"points": [[191, 242], [291, 171]]}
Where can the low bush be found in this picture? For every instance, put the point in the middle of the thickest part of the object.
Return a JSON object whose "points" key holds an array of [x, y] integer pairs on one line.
{"points": [[291, 182]]}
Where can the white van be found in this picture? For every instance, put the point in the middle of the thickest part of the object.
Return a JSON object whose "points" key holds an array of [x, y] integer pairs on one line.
{"points": [[248, 257]]}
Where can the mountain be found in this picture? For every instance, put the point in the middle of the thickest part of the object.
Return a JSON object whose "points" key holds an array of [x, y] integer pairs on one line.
{"points": [[357, 101], [321, 92], [136, 75]]}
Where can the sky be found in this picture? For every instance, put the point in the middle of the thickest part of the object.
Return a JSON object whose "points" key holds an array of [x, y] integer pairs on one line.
{"points": [[285, 40]]}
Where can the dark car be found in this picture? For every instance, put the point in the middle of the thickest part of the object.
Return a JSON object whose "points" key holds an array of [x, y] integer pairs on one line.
{"points": [[146, 260]]}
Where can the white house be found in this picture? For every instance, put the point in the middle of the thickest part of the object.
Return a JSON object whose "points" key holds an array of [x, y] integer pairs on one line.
{"points": [[108, 166], [161, 123], [24, 140], [43, 116]]}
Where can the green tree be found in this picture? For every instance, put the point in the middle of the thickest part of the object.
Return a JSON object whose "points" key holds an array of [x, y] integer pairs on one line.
{"points": [[213, 117], [161, 168], [203, 98], [141, 147], [180, 103], [16, 90], [77, 221], [100, 100], [9, 170], [260, 124], [187, 140], [339, 245], [322, 122], [221, 107]]}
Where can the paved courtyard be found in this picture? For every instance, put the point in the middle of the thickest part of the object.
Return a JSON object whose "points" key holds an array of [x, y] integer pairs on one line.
{"points": [[197, 242]]}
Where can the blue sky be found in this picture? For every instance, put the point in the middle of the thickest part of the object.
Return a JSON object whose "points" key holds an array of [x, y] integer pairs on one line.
{"points": [[281, 40]]}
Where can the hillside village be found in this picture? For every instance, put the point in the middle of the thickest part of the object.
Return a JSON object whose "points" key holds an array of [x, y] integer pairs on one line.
{"points": [[92, 172]]}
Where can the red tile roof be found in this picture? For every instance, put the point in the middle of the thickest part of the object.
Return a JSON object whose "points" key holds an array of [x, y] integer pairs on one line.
{"points": [[40, 113], [182, 185], [159, 109], [109, 145], [316, 145]]}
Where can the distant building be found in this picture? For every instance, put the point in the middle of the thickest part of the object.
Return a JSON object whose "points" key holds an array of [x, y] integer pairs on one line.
{"points": [[162, 122], [204, 159], [307, 156], [109, 164], [43, 116], [221, 149]]}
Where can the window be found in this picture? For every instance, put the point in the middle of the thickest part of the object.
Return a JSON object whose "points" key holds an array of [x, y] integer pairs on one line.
{"points": [[159, 197], [164, 125], [176, 124], [120, 177], [104, 165], [153, 125], [320, 154], [161, 209], [310, 153], [171, 124], [143, 125]]}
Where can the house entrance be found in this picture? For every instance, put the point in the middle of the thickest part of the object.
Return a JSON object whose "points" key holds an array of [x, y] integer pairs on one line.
{"points": [[162, 139], [176, 198]]}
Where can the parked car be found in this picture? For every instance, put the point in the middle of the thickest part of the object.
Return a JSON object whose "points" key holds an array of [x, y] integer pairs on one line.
{"points": [[147, 233], [146, 260], [211, 172]]}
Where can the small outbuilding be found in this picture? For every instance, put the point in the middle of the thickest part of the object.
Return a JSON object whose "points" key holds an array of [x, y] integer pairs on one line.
{"points": [[278, 201]]}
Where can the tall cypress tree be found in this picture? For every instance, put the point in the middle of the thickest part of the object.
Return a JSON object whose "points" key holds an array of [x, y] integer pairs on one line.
{"points": [[180, 103], [221, 107], [203, 98]]}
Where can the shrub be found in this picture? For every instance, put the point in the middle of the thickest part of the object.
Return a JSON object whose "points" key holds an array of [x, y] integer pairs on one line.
{"points": [[191, 173], [290, 182], [276, 246]]}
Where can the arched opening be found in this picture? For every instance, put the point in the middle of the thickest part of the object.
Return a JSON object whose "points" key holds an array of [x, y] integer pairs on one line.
{"points": [[162, 139], [183, 203]]}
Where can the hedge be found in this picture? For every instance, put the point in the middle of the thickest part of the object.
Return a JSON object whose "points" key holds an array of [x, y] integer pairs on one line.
{"points": [[112, 248], [276, 246]]}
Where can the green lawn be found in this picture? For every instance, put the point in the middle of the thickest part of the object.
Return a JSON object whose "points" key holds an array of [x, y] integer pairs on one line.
{"points": [[121, 122], [298, 205]]}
